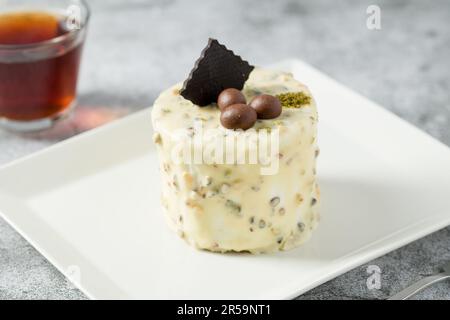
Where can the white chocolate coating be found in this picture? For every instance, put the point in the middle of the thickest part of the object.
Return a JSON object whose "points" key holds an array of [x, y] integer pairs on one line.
{"points": [[232, 207]]}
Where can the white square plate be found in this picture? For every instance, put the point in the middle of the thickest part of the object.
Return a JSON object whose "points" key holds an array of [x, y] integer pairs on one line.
{"points": [[91, 206]]}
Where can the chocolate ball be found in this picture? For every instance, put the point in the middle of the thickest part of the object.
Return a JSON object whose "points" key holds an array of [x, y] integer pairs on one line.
{"points": [[266, 106], [230, 96], [238, 116]]}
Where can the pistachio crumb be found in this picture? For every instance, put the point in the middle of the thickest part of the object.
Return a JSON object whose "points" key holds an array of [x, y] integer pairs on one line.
{"points": [[233, 206], [301, 226], [157, 138], [294, 99], [175, 182], [278, 122], [274, 201], [262, 224]]}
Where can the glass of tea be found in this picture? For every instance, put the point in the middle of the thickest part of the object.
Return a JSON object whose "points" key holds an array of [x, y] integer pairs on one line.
{"points": [[40, 50]]}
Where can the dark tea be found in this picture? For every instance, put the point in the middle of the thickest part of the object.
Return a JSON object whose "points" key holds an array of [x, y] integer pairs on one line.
{"points": [[39, 62]]}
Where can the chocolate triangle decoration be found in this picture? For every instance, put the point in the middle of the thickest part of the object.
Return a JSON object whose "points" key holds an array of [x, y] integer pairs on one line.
{"points": [[217, 69]]}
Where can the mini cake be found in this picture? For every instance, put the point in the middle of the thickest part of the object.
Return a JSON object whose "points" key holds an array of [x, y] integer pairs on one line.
{"points": [[239, 206]]}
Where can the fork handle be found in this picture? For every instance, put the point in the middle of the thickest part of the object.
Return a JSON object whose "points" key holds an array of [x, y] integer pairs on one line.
{"points": [[419, 286]]}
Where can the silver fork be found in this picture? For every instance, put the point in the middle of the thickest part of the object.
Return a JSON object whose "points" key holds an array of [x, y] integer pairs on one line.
{"points": [[422, 284]]}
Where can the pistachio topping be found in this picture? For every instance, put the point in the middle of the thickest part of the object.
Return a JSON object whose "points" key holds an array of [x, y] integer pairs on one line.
{"points": [[293, 99]]}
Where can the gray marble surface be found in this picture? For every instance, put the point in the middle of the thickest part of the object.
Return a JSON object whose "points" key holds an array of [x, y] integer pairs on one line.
{"points": [[136, 48]]}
